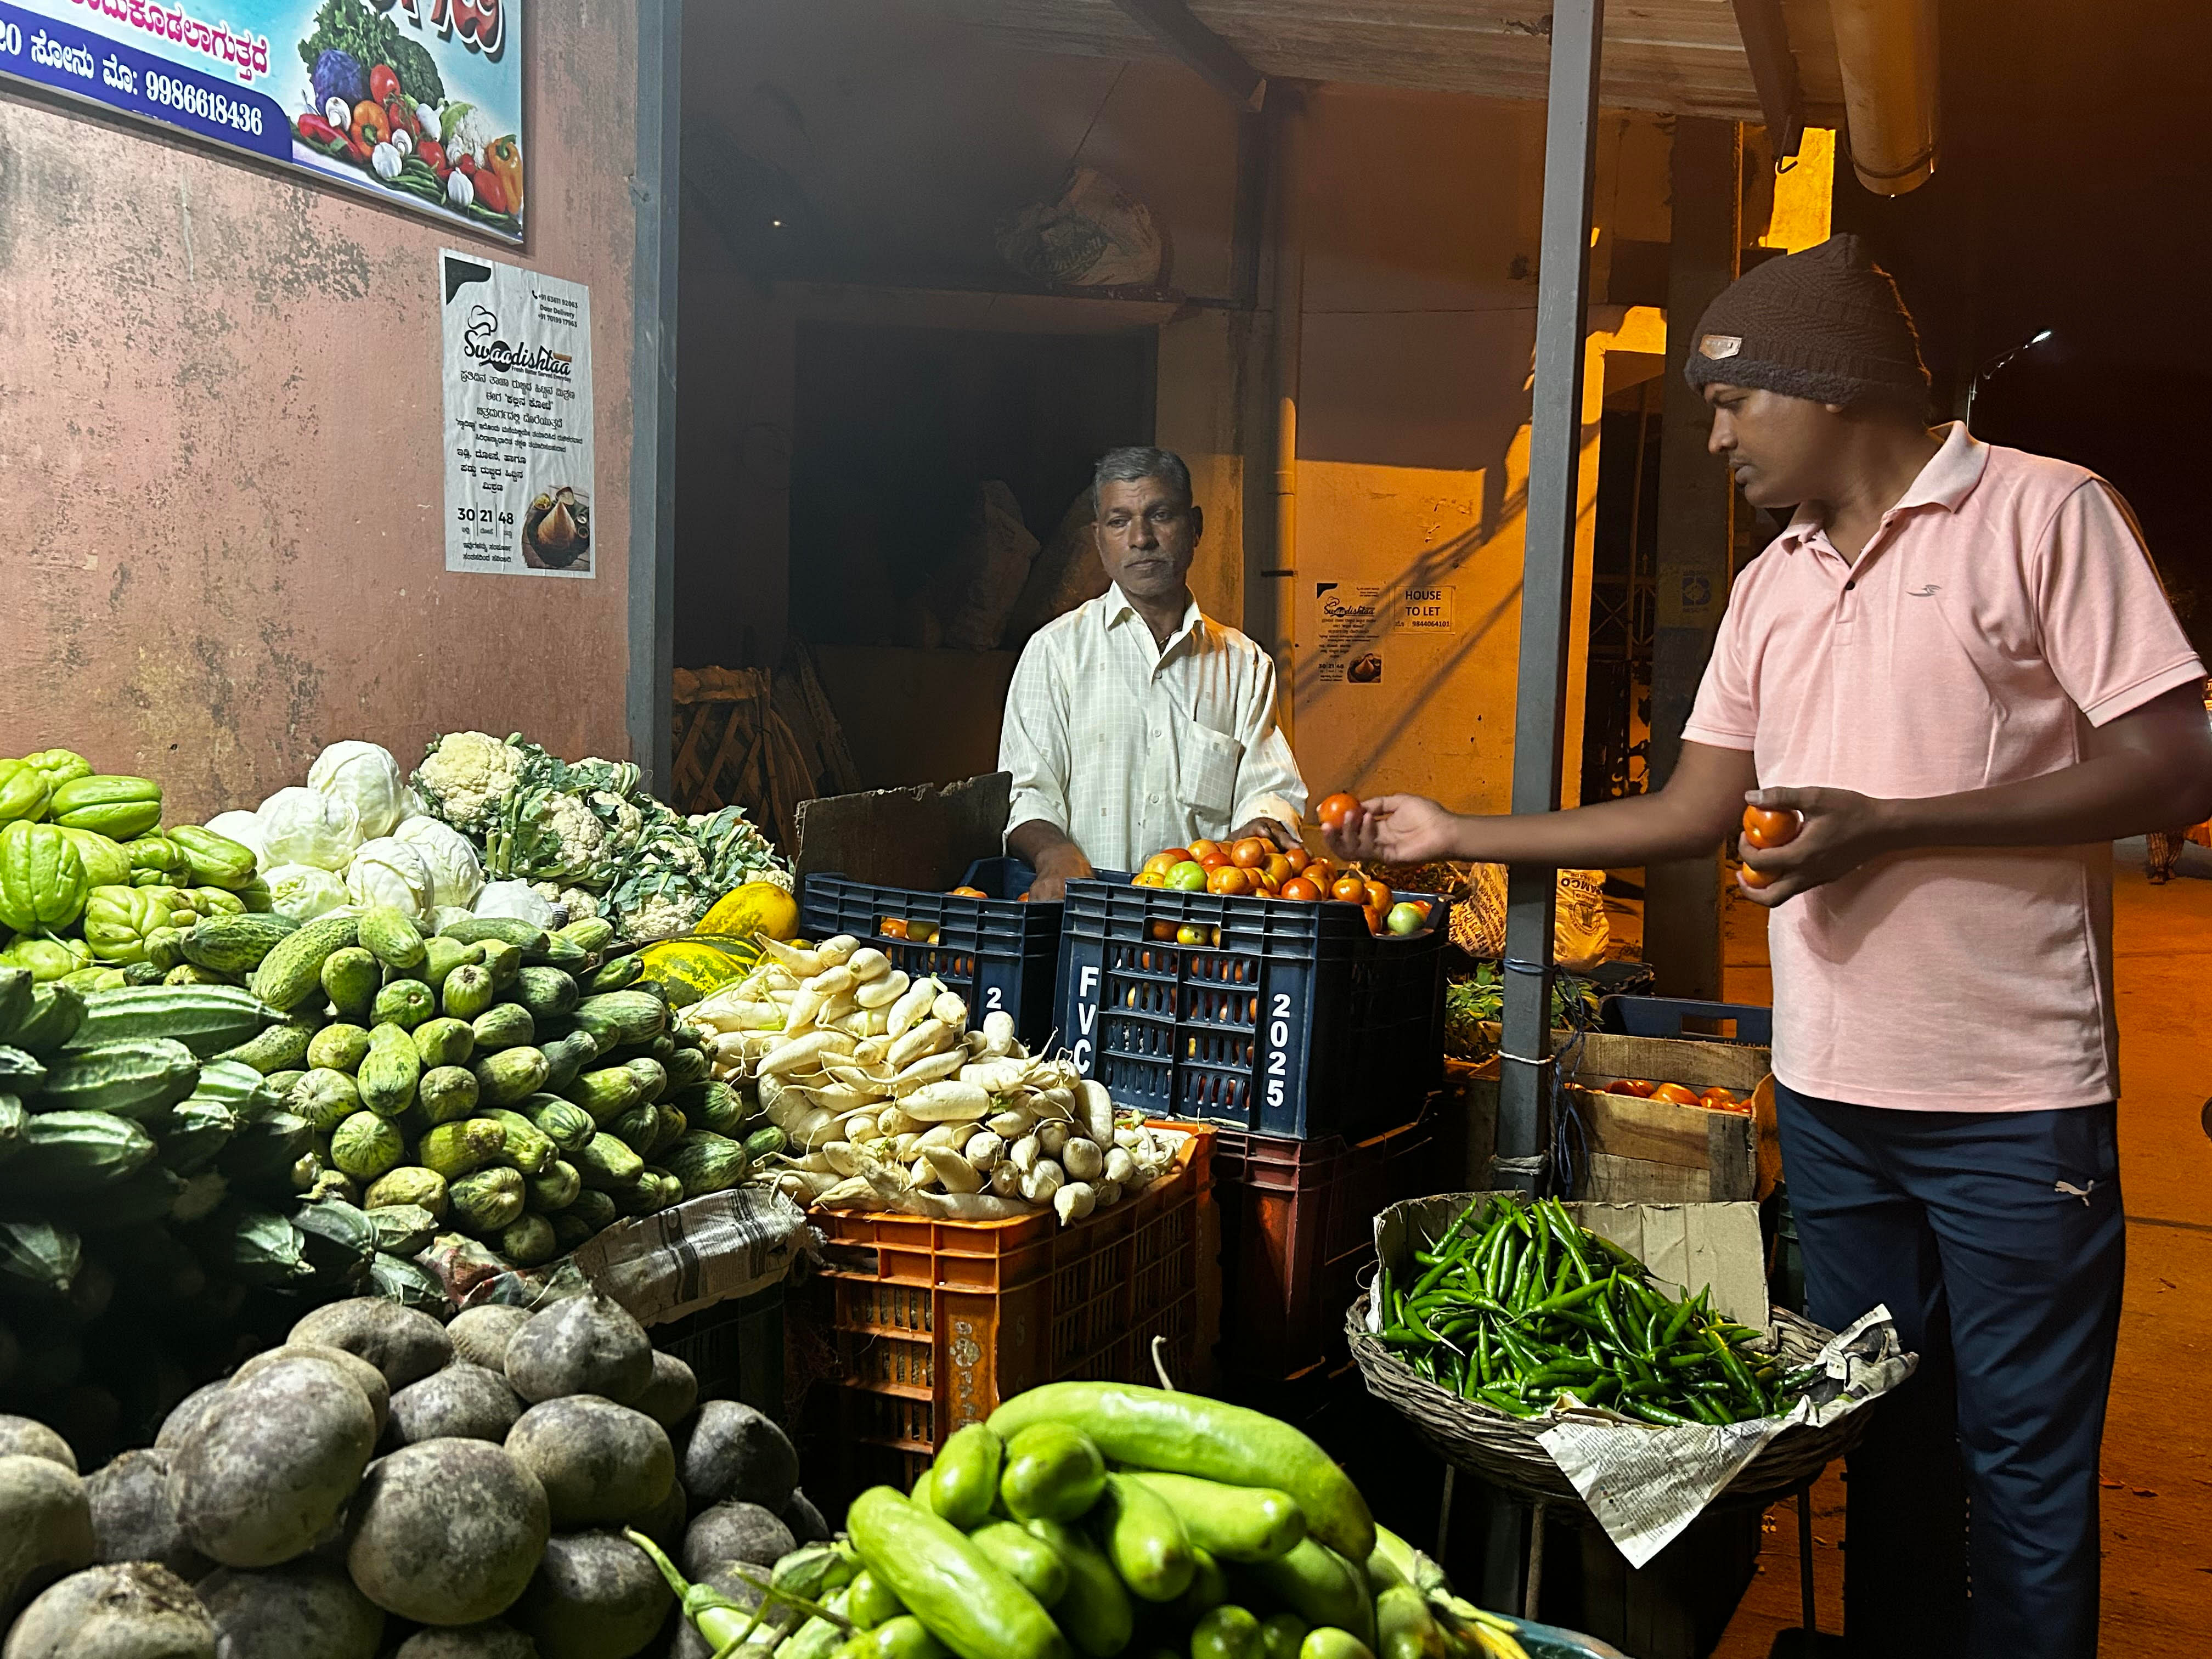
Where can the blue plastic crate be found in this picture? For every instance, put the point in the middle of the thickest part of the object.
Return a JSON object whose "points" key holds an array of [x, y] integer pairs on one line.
{"points": [[1299, 1022], [997, 953]]}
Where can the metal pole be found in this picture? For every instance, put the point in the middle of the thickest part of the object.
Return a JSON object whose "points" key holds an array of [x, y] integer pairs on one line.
{"points": [[1555, 436], [652, 573]]}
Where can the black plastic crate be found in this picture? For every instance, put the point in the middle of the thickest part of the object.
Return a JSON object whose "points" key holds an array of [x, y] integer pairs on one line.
{"points": [[1298, 1022], [997, 953], [735, 1349]]}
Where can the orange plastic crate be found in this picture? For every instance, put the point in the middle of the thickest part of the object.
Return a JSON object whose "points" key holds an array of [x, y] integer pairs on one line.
{"points": [[936, 1322]]}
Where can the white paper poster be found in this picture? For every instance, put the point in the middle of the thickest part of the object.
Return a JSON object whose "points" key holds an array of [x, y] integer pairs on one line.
{"points": [[519, 456]]}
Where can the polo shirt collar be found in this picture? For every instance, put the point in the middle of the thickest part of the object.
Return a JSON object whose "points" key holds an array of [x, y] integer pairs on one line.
{"points": [[1118, 609], [1945, 482]]}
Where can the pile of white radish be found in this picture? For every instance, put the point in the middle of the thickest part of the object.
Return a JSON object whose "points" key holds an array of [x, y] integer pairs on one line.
{"points": [[891, 1102]]}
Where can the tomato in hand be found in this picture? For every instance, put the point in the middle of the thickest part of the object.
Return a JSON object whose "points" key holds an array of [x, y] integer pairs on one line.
{"points": [[1334, 809], [1765, 828]]}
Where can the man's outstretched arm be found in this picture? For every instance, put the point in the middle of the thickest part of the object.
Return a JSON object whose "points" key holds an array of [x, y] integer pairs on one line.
{"points": [[1699, 809]]}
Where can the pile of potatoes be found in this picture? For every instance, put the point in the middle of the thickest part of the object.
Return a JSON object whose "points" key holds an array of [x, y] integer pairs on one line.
{"points": [[384, 1487]]}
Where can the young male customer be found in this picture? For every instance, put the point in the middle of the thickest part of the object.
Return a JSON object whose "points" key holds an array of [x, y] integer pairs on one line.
{"points": [[1135, 722], [1957, 664]]}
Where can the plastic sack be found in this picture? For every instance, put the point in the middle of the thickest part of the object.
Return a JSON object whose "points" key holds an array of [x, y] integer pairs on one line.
{"points": [[1580, 932], [1096, 234]]}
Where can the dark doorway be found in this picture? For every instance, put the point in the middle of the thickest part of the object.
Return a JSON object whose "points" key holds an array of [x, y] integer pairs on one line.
{"points": [[897, 430], [1617, 710]]}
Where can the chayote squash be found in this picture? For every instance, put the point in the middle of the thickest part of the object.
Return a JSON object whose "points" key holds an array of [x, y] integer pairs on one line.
{"points": [[42, 880], [47, 960], [105, 863], [114, 805], [217, 860], [168, 864], [118, 921], [24, 792], [61, 766]]}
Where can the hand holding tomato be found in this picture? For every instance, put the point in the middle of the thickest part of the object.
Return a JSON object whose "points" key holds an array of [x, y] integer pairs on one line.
{"points": [[1392, 829], [1274, 831], [1836, 831]]}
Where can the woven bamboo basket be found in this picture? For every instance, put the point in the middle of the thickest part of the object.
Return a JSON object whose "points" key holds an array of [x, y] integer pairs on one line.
{"points": [[1505, 1451]]}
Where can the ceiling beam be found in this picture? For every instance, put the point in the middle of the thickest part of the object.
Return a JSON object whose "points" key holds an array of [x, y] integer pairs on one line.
{"points": [[1201, 50], [1765, 34]]}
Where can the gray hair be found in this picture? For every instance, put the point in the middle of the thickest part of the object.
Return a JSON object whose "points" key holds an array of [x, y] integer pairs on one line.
{"points": [[1133, 464]]}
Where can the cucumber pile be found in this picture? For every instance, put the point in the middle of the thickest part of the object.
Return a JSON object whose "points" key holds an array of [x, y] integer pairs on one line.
{"points": [[1097, 1519], [184, 1164]]}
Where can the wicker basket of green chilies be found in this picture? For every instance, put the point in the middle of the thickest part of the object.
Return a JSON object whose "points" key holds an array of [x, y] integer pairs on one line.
{"points": [[1493, 1319]]}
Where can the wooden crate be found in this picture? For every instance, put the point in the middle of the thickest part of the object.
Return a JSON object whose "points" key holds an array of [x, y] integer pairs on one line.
{"points": [[1650, 1152]]}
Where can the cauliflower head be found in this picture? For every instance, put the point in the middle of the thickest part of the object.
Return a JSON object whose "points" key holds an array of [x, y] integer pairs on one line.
{"points": [[661, 916], [465, 776]]}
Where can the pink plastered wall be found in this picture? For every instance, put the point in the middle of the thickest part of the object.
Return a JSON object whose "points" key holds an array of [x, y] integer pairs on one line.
{"points": [[222, 489]]}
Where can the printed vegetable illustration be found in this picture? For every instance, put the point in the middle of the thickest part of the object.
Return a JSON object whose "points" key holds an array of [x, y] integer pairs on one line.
{"points": [[504, 157]]}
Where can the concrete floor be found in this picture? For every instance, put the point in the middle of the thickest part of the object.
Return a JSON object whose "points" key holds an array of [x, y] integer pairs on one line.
{"points": [[2157, 1500]]}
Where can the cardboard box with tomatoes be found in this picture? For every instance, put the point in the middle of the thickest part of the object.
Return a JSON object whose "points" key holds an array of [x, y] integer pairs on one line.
{"points": [[1669, 1121]]}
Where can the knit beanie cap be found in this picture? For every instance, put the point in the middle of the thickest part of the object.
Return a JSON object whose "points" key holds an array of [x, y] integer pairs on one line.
{"points": [[1825, 325]]}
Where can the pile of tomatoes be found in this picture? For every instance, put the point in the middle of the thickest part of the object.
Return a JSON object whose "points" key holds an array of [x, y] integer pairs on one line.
{"points": [[1715, 1099], [1252, 868]]}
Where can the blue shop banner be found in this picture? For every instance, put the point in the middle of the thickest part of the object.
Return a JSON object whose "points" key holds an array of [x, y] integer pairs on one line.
{"points": [[418, 102]]}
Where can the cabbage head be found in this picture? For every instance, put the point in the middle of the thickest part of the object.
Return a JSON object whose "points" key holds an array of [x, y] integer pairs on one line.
{"points": [[457, 874], [366, 774], [303, 892], [517, 899], [386, 871], [305, 826], [244, 828]]}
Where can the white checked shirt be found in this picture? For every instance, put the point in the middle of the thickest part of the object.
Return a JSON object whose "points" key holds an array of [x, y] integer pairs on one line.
{"points": [[1131, 748]]}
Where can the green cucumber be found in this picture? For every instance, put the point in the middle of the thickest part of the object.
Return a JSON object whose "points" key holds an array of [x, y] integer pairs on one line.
{"points": [[1053, 1472], [951, 1586], [137, 1080], [1235, 1523]]}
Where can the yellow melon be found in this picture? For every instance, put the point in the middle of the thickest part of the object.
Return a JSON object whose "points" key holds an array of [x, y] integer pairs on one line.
{"points": [[757, 907]]}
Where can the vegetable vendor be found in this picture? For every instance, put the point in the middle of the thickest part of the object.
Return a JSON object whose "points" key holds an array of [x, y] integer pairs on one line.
{"points": [[1136, 722], [1945, 689]]}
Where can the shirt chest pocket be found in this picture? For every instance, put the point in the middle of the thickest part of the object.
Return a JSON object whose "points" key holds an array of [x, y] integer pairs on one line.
{"points": [[1209, 761]]}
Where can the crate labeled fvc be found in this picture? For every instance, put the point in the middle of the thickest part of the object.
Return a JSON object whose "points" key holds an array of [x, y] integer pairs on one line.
{"points": [[1272, 1016], [997, 952]]}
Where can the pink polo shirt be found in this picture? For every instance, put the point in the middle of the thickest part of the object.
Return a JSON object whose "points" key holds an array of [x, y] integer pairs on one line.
{"points": [[2003, 608]]}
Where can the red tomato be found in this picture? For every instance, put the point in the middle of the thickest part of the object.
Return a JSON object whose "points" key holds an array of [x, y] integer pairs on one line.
{"points": [[1751, 878], [1334, 809], [434, 156], [1349, 890], [1299, 888], [1298, 858], [1230, 880], [1675, 1094], [1380, 897], [1250, 852], [383, 83], [490, 190], [1763, 828]]}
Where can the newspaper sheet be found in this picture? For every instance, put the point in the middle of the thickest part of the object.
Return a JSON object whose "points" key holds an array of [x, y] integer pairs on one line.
{"points": [[1646, 1484]]}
